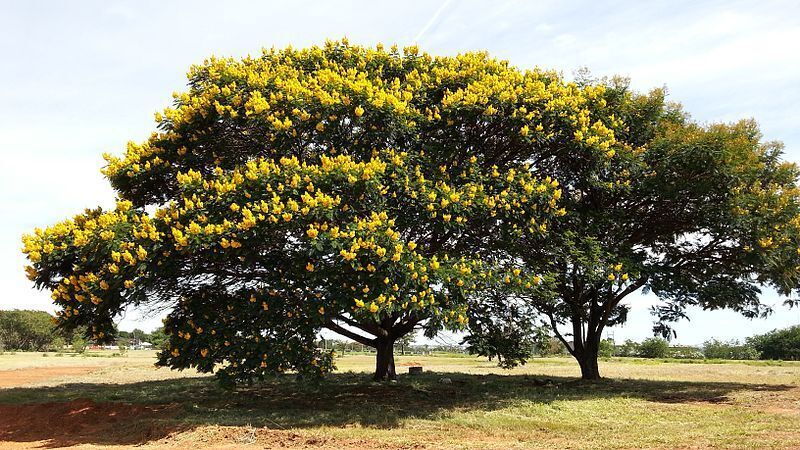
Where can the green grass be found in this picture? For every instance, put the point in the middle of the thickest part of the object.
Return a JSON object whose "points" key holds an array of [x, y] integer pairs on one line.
{"points": [[654, 404]]}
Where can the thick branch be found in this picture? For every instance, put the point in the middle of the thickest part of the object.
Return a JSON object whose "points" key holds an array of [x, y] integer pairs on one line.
{"points": [[405, 327], [370, 328], [336, 328], [554, 325]]}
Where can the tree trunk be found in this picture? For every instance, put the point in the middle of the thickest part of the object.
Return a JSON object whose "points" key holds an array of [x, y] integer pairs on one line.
{"points": [[588, 363], [586, 355], [384, 361]]}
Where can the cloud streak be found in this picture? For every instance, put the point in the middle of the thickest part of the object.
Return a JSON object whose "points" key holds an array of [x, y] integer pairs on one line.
{"points": [[430, 22]]}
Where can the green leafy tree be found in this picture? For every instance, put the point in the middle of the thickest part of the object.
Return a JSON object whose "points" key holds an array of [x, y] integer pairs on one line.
{"points": [[606, 349], [367, 191], [405, 342], [629, 348], [542, 341], [716, 349], [78, 344], [157, 337], [778, 344], [654, 347], [56, 344], [699, 215], [27, 330]]}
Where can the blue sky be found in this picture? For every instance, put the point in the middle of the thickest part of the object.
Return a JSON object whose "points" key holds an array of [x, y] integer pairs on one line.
{"points": [[81, 78]]}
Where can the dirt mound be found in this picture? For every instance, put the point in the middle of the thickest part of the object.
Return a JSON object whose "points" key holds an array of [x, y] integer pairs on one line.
{"points": [[409, 363], [83, 421], [20, 377]]}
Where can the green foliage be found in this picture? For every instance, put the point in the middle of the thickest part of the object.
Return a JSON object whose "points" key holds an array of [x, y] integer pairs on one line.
{"points": [[716, 349], [778, 344], [686, 352], [699, 215], [498, 331], [345, 187], [78, 344], [27, 330], [606, 349], [333, 187], [511, 346], [541, 341], [545, 344], [654, 347], [158, 338], [629, 348], [404, 343], [56, 344]]}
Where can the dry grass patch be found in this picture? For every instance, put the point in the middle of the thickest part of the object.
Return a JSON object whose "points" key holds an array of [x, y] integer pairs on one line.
{"points": [[647, 405]]}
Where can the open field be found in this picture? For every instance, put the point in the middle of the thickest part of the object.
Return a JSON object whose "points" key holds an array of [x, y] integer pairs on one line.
{"points": [[121, 402]]}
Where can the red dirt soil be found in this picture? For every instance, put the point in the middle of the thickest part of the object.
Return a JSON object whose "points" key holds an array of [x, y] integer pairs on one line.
{"points": [[20, 377], [85, 424], [80, 421]]}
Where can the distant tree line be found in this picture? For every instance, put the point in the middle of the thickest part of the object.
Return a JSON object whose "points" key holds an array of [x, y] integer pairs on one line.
{"points": [[781, 344], [34, 331], [778, 344], [402, 346], [138, 337], [27, 331]]}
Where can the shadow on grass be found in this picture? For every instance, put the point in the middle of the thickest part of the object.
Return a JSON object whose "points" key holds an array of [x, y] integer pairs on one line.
{"points": [[137, 413]]}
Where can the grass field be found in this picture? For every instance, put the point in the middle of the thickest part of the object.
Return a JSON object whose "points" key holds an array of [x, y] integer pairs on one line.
{"points": [[120, 402]]}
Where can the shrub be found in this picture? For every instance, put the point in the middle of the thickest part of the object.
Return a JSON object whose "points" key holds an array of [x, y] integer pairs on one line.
{"points": [[628, 349], [78, 344], [606, 349], [654, 347], [56, 344], [716, 349], [686, 353], [778, 344], [26, 330]]}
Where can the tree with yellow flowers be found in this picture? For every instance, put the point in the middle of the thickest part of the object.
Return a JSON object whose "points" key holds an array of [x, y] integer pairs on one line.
{"points": [[367, 191], [373, 191], [701, 216]]}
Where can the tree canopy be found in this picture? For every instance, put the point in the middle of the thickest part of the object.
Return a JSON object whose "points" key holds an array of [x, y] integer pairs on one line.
{"points": [[374, 191], [778, 344], [368, 191], [700, 215], [26, 330]]}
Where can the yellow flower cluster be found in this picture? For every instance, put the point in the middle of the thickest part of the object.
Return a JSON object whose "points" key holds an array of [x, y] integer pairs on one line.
{"points": [[364, 217], [616, 274], [107, 249], [279, 94]]}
